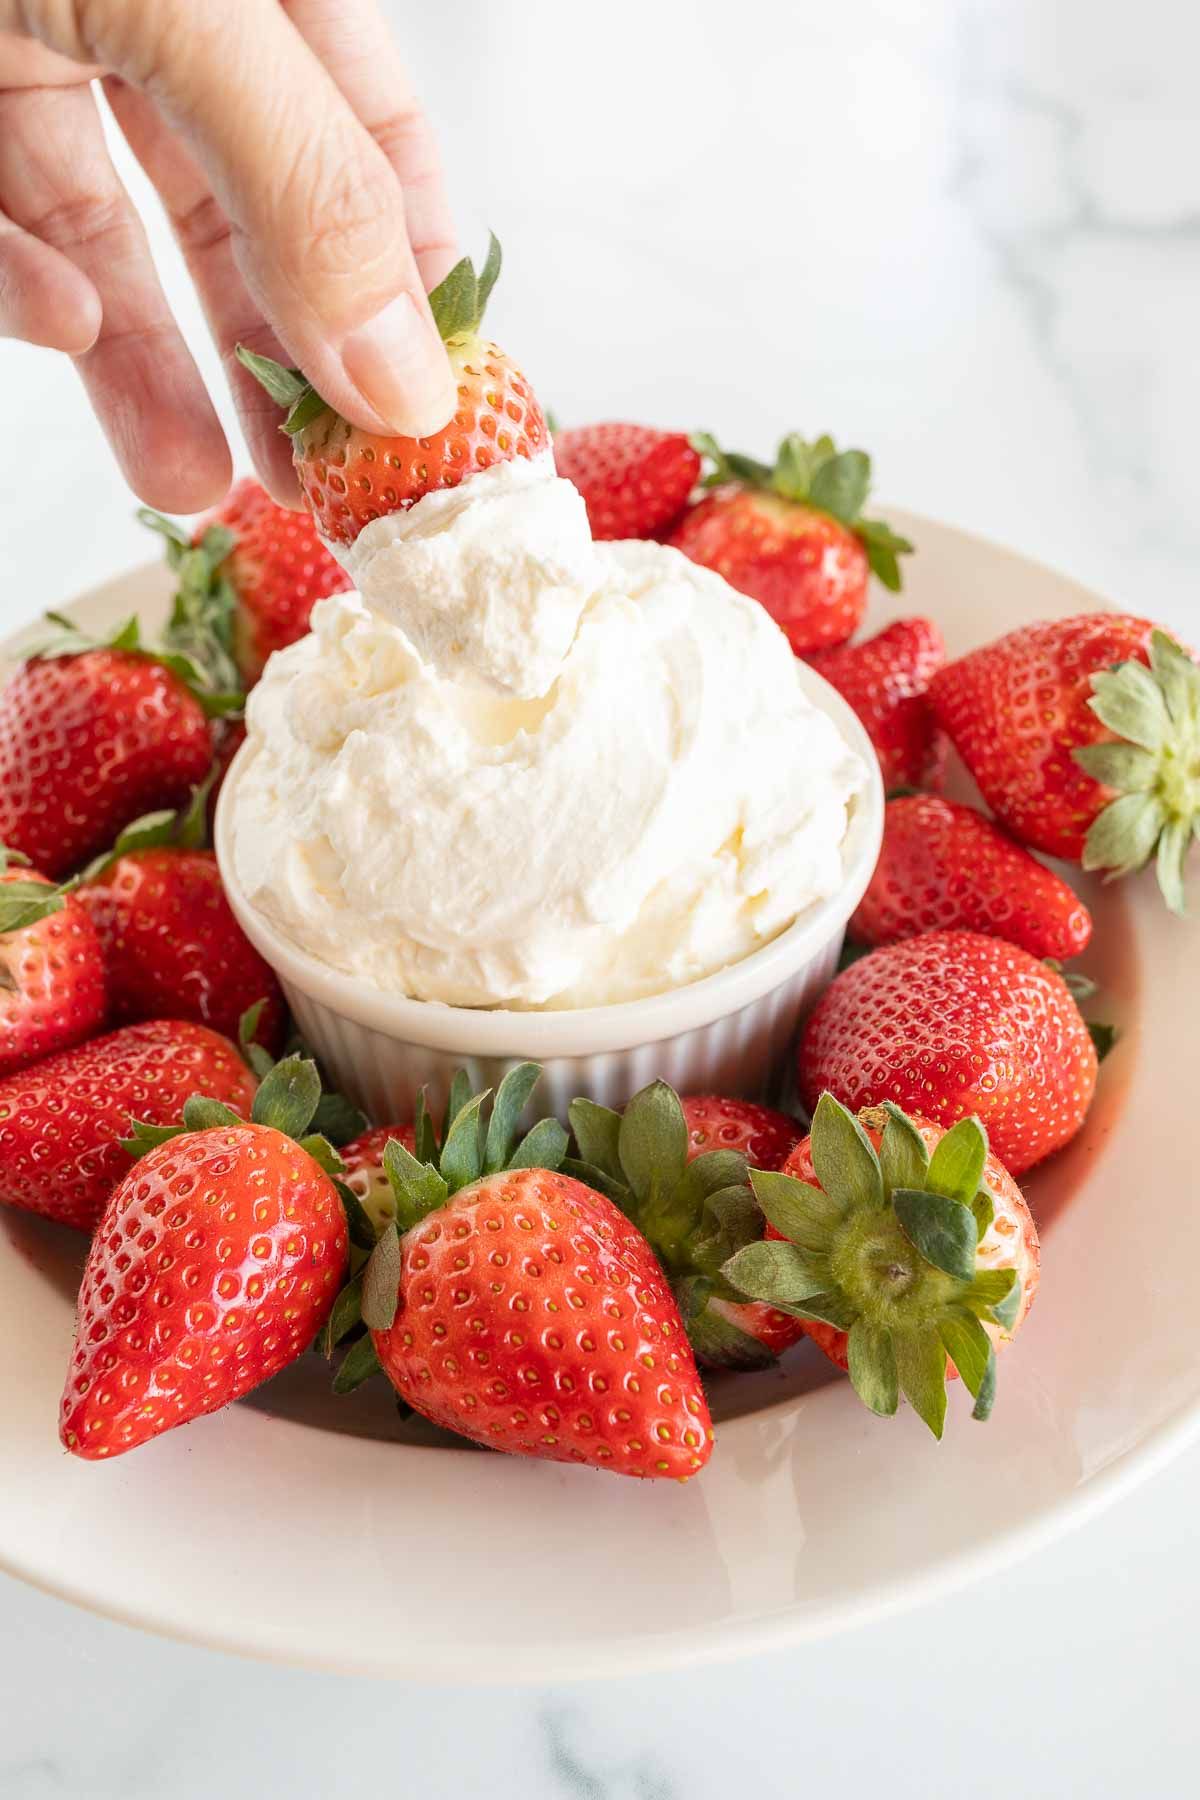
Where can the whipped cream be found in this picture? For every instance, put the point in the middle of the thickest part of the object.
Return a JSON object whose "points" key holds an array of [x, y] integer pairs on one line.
{"points": [[521, 769], [487, 579]]}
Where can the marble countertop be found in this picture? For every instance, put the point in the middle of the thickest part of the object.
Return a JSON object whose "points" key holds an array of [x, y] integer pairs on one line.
{"points": [[966, 234]]}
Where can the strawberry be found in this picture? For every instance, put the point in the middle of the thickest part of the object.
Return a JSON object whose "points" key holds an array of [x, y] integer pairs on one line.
{"points": [[349, 476], [364, 1172], [92, 737], [214, 1266], [908, 1251], [793, 536], [680, 1171], [943, 865], [250, 574], [954, 1023], [61, 1121], [515, 1305], [1083, 735], [51, 969], [635, 480], [172, 947], [886, 680], [228, 737]]}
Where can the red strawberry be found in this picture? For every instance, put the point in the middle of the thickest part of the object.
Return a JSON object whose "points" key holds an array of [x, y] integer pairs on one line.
{"points": [[943, 865], [518, 1306], [349, 477], [214, 1266], [908, 1250], [635, 480], [679, 1170], [532, 1317], [90, 740], [954, 1023], [227, 741], [793, 536], [172, 947], [250, 574], [62, 1119], [1082, 735], [763, 1137], [51, 970], [886, 680], [364, 1173]]}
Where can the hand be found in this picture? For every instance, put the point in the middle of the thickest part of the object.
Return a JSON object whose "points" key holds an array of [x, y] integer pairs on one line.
{"points": [[303, 187]]}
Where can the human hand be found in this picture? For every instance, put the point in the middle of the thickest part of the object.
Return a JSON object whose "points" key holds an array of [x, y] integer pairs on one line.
{"points": [[303, 187]]}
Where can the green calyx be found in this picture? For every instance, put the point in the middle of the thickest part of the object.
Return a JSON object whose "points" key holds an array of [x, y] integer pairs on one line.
{"points": [[69, 640], [1154, 765], [695, 1215], [457, 303], [473, 1142], [820, 475], [202, 615], [886, 1250]]}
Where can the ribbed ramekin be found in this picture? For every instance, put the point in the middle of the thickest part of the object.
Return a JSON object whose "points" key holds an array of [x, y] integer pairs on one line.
{"points": [[729, 1033]]}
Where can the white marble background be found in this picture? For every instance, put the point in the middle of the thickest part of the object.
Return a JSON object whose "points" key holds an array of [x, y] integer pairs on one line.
{"points": [[966, 234]]}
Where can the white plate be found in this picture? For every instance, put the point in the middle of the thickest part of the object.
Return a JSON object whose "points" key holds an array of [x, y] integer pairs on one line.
{"points": [[310, 1531]]}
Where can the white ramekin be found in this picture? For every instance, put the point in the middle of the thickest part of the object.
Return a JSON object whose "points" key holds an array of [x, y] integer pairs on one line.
{"points": [[730, 1033]]}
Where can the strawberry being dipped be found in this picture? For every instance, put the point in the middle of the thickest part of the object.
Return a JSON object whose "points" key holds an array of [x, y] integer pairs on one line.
{"points": [[908, 1251], [349, 476], [62, 1120], [51, 969], [517, 1306], [944, 866], [214, 1266], [793, 536], [680, 1171], [94, 735], [886, 680], [635, 481], [954, 1023], [249, 576], [1083, 735], [171, 945]]}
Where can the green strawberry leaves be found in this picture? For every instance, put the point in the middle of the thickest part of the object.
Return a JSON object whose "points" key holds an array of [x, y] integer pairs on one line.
{"points": [[817, 474], [1153, 765], [457, 303], [70, 640], [697, 1216], [886, 1250], [202, 615]]}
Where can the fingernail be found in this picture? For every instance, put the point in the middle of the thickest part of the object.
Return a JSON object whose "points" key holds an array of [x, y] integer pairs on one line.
{"points": [[400, 367]]}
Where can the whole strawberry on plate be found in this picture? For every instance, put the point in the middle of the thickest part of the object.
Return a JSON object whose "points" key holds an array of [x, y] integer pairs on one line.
{"points": [[680, 1170], [635, 481], [950, 1024], [364, 1173], [51, 969], [171, 945], [349, 476], [907, 1250], [92, 735], [793, 535], [249, 576], [62, 1120], [515, 1305], [944, 866], [214, 1266], [886, 680], [1084, 738]]}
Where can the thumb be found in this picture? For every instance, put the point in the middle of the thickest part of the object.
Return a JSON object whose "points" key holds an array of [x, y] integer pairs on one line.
{"points": [[319, 230]]}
